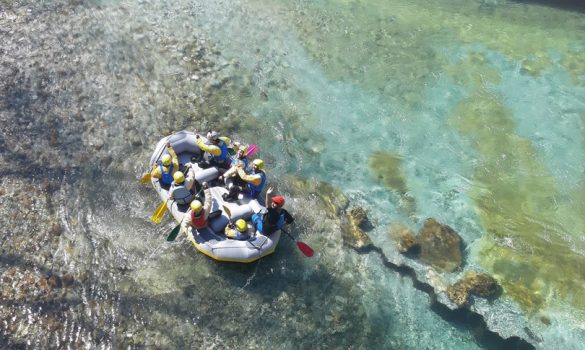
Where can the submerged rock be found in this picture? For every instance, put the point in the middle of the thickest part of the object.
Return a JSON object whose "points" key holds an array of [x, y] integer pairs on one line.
{"points": [[440, 246], [352, 232], [473, 283], [404, 239], [387, 167], [359, 217], [56, 229], [334, 201]]}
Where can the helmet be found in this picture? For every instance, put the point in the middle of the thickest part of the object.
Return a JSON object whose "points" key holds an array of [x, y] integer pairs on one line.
{"points": [[196, 206], [241, 225], [166, 159], [244, 149], [259, 163], [278, 200], [179, 177], [212, 135]]}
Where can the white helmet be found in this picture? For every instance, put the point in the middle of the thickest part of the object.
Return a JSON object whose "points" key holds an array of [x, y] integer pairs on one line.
{"points": [[212, 135]]}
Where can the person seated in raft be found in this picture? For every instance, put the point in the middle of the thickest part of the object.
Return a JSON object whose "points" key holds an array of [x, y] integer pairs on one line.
{"points": [[198, 213], [180, 190], [166, 167], [253, 182], [217, 147], [274, 218], [231, 177], [240, 231], [240, 156]]}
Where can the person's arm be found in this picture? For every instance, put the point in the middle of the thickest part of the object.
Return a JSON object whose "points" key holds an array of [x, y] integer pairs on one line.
{"points": [[186, 222], [254, 179], [190, 179], [227, 141], [174, 158], [268, 200], [155, 172], [172, 192], [212, 149], [207, 205], [231, 172]]}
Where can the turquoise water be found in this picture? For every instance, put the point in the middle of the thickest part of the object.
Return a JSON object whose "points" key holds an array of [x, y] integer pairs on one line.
{"points": [[328, 118], [473, 110]]}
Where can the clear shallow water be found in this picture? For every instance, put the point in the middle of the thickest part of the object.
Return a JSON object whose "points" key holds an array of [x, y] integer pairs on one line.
{"points": [[330, 83]]}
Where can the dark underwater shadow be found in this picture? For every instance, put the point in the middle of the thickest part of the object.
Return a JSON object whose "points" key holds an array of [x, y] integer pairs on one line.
{"points": [[568, 5]]}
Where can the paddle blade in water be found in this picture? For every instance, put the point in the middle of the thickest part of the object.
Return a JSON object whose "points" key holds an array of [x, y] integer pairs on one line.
{"points": [[174, 233], [158, 214], [305, 249], [145, 178]]}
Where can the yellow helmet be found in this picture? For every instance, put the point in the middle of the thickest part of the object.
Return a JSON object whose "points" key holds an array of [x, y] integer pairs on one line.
{"points": [[179, 177], [166, 159], [196, 206], [241, 225], [259, 163]]}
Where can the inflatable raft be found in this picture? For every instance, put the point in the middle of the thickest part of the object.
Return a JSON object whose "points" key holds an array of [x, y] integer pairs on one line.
{"points": [[211, 240]]}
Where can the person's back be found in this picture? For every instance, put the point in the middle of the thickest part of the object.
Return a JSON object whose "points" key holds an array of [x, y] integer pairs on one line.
{"points": [[180, 190], [166, 167], [217, 149], [275, 219], [241, 230]]}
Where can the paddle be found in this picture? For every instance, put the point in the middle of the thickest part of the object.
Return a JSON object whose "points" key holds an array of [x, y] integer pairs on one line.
{"points": [[174, 233], [145, 179], [252, 149], [303, 247], [229, 214], [159, 213]]}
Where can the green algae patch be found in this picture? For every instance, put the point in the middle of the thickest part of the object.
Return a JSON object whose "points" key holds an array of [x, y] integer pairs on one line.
{"points": [[334, 201], [387, 168], [473, 71], [524, 246], [575, 64]]}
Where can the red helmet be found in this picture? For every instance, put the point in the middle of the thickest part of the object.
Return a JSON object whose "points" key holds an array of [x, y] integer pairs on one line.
{"points": [[278, 200]]}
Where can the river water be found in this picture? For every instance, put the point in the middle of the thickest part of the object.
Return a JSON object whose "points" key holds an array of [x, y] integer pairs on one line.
{"points": [[469, 112]]}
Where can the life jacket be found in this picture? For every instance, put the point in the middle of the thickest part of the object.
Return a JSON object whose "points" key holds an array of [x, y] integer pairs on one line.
{"points": [[261, 223], [224, 152], [181, 194], [279, 222], [166, 178], [255, 190], [198, 221]]}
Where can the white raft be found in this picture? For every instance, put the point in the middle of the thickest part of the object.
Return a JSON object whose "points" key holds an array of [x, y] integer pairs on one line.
{"points": [[211, 240]]}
